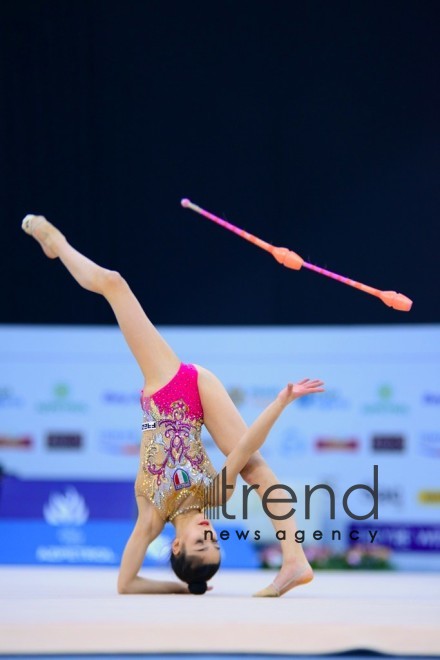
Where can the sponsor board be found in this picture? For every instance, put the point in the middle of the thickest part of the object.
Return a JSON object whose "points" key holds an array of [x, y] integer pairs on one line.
{"points": [[68, 508], [385, 403], [96, 543], [388, 442], [125, 442], [429, 444], [16, 442], [237, 394], [9, 399], [83, 523], [63, 533], [31, 499], [260, 396], [429, 497], [37, 542], [121, 398], [404, 537], [292, 442], [64, 440], [329, 400], [389, 497], [334, 444], [431, 398], [257, 395], [61, 401]]}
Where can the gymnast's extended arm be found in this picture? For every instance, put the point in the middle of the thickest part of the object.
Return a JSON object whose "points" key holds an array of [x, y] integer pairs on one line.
{"points": [[256, 434], [148, 527]]}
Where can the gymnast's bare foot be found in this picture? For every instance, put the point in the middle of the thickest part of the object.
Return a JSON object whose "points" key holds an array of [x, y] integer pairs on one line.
{"points": [[292, 574], [44, 232]]}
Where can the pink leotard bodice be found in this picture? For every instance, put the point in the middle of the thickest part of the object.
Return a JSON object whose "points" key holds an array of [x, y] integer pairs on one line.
{"points": [[175, 470], [182, 386]]}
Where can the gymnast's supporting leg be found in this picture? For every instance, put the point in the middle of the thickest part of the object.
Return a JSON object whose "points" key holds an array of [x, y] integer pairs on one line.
{"points": [[295, 570], [226, 427]]}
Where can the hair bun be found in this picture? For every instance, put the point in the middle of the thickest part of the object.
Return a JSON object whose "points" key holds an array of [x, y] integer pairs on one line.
{"points": [[197, 588]]}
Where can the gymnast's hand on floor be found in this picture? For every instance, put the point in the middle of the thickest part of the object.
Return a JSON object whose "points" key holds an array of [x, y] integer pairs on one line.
{"points": [[294, 391]]}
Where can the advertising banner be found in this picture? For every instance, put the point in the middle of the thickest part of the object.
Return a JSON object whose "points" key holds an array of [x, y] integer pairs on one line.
{"points": [[70, 416]]}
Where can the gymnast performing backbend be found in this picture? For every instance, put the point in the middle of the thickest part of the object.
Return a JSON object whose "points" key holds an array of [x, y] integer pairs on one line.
{"points": [[176, 478]]}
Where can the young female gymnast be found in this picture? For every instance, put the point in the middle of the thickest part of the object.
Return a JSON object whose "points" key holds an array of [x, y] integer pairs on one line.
{"points": [[175, 473]]}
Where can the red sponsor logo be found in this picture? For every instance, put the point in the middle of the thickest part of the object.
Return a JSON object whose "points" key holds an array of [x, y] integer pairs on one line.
{"points": [[16, 442], [336, 444]]}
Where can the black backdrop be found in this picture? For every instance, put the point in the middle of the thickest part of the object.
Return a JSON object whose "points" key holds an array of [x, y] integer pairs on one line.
{"points": [[313, 124]]}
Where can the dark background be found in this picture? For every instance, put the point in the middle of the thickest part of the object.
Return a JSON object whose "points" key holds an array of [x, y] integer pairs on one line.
{"points": [[312, 124]]}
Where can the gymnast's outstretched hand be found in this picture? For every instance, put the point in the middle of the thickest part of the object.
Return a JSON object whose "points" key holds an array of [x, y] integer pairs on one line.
{"points": [[294, 391], [256, 434]]}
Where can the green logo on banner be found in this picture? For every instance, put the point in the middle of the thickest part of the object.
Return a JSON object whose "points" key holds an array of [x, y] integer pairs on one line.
{"points": [[61, 402]]}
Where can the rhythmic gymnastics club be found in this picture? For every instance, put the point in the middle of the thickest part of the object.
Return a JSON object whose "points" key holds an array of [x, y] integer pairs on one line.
{"points": [[292, 260]]}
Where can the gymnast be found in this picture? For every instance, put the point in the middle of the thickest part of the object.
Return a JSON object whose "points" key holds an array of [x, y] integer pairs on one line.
{"points": [[176, 479]]}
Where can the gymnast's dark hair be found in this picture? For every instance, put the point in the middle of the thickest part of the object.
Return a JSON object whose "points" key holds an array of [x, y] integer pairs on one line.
{"points": [[193, 571]]}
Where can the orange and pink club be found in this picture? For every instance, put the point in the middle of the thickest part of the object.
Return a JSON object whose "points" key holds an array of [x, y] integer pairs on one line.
{"points": [[292, 260]]}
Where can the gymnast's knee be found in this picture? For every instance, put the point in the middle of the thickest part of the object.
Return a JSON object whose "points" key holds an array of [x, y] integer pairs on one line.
{"points": [[111, 281]]}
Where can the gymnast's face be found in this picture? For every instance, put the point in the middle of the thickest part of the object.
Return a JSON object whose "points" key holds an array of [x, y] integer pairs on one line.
{"points": [[199, 540]]}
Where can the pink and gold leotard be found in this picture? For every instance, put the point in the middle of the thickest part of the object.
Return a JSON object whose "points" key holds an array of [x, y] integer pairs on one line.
{"points": [[175, 471]]}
